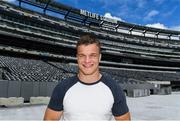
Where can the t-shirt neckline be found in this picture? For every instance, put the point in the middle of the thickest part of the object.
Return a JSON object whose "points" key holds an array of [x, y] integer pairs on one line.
{"points": [[89, 83]]}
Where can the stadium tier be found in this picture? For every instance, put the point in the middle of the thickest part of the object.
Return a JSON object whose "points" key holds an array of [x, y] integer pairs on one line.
{"points": [[38, 49]]}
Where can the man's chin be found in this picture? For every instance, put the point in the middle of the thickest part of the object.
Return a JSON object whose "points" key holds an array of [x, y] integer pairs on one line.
{"points": [[87, 72]]}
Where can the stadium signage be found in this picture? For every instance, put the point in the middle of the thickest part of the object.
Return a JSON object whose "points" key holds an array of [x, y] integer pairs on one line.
{"points": [[97, 16]]}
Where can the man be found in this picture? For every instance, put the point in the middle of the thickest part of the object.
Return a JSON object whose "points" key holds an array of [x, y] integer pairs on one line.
{"points": [[89, 95]]}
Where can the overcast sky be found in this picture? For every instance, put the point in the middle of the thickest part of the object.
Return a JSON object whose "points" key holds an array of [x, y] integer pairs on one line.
{"points": [[155, 13]]}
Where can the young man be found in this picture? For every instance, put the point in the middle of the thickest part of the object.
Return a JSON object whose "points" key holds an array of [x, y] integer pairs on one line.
{"points": [[89, 95]]}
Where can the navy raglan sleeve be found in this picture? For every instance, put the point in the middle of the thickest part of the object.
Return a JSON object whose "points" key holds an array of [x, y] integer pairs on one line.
{"points": [[56, 101], [57, 97], [120, 106]]}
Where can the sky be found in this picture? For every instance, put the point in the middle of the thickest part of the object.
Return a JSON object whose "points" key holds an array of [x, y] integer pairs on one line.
{"points": [[153, 13]]}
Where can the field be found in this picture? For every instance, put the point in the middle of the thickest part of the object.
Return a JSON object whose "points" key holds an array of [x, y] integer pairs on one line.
{"points": [[150, 108]]}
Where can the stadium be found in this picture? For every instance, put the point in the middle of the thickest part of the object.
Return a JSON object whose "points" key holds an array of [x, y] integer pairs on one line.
{"points": [[38, 50]]}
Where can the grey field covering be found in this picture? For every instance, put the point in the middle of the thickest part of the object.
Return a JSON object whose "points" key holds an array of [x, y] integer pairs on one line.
{"points": [[149, 108]]}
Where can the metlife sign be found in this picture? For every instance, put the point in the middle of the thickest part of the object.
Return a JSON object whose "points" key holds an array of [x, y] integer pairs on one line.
{"points": [[97, 16]]}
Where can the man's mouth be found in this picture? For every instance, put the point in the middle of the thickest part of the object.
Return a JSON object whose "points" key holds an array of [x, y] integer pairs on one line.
{"points": [[88, 66]]}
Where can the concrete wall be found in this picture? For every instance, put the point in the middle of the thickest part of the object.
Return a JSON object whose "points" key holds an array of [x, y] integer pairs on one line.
{"points": [[138, 93]]}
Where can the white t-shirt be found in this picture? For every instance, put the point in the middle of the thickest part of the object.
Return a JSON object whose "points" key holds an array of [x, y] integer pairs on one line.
{"points": [[79, 101]]}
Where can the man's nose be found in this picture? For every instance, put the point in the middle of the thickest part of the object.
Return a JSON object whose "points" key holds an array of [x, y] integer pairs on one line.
{"points": [[87, 59]]}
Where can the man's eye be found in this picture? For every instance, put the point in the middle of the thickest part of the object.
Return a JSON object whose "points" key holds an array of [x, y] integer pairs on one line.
{"points": [[94, 56], [81, 55]]}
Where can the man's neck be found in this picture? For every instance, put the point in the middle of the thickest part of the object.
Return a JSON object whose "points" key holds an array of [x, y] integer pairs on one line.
{"points": [[89, 78]]}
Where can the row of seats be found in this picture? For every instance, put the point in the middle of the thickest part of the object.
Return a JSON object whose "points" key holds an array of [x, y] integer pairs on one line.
{"points": [[122, 47], [133, 46], [30, 70], [20, 69], [144, 75], [63, 38]]}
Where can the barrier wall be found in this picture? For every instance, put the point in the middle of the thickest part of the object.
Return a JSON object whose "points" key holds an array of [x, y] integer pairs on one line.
{"points": [[26, 89]]}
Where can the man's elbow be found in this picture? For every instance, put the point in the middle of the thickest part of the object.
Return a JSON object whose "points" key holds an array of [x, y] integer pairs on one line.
{"points": [[51, 115]]}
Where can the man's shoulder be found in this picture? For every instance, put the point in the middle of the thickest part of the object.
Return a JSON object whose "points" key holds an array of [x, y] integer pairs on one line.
{"points": [[68, 82], [111, 83], [108, 79]]}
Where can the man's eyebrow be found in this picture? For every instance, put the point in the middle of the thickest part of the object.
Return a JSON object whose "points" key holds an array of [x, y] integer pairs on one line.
{"points": [[94, 53], [80, 54]]}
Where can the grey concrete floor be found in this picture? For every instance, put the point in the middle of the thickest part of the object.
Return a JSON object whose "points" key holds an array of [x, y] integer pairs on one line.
{"points": [[150, 108]]}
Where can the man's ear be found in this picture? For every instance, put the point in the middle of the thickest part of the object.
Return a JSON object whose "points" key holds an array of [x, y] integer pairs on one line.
{"points": [[100, 57]]}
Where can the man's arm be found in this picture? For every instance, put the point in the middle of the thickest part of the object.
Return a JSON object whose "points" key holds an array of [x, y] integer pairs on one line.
{"points": [[51, 115], [125, 117]]}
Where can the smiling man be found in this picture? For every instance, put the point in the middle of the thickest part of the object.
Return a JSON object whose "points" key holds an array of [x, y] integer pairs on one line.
{"points": [[89, 95]]}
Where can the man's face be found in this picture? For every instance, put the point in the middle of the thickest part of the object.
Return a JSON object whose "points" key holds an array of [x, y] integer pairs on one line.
{"points": [[88, 57]]}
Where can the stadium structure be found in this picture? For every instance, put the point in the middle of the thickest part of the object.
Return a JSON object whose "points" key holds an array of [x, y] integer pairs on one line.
{"points": [[38, 50]]}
